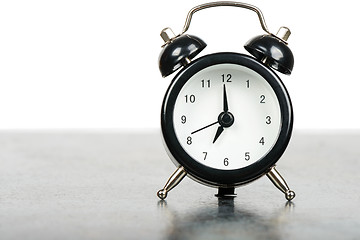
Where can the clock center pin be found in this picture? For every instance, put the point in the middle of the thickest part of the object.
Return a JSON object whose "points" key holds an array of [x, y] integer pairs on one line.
{"points": [[226, 119]]}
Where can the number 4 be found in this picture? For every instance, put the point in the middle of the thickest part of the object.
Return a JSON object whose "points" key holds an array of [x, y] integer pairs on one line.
{"points": [[262, 141]]}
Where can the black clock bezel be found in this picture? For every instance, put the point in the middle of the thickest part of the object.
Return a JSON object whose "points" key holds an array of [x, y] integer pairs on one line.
{"points": [[212, 176]]}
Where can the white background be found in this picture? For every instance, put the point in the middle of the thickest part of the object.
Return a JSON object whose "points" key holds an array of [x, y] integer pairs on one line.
{"points": [[94, 64]]}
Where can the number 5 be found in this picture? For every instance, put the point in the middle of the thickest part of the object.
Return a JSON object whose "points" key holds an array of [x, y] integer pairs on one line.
{"points": [[247, 156]]}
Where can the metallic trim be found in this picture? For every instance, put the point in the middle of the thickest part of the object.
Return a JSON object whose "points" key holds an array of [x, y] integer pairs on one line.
{"points": [[225, 3]]}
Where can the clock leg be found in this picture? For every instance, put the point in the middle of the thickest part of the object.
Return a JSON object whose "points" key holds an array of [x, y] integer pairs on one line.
{"points": [[174, 180], [280, 183], [226, 192]]}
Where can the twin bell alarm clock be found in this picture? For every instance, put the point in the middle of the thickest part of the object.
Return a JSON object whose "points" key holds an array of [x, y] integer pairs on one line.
{"points": [[226, 117]]}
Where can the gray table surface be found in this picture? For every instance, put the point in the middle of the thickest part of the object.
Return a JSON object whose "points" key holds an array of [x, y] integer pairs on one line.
{"points": [[102, 185]]}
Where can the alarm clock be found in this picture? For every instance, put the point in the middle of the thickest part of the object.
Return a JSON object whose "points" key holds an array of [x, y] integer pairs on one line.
{"points": [[226, 117]]}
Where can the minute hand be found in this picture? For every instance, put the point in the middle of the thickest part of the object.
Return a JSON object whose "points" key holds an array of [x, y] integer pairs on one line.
{"points": [[225, 102], [205, 127], [225, 119]]}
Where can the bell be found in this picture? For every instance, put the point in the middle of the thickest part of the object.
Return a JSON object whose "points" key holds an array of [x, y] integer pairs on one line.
{"points": [[273, 51], [178, 51]]}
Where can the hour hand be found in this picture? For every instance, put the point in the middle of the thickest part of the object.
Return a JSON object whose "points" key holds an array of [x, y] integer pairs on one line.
{"points": [[218, 133]]}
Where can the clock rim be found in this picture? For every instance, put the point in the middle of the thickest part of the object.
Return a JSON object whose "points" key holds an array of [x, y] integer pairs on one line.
{"points": [[218, 177]]}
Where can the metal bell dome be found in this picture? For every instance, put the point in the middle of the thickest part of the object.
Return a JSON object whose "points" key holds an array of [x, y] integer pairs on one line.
{"points": [[178, 51], [273, 51]]}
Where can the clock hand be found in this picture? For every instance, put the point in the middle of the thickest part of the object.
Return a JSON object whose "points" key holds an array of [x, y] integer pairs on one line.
{"points": [[226, 109], [225, 102], [205, 127], [220, 128], [218, 132], [225, 119]]}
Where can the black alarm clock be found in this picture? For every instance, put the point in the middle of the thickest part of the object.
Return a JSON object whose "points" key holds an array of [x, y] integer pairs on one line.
{"points": [[226, 117]]}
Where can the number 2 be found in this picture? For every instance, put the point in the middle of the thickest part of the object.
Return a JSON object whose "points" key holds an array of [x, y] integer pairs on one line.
{"points": [[262, 99]]}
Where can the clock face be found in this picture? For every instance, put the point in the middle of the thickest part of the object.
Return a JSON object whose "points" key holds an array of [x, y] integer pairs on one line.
{"points": [[227, 119], [233, 93]]}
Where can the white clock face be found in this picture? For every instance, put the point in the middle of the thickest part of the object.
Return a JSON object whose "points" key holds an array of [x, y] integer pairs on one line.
{"points": [[227, 117]]}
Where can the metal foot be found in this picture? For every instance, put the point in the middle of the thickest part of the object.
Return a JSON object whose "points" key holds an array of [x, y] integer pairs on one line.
{"points": [[226, 192], [280, 183], [174, 180]]}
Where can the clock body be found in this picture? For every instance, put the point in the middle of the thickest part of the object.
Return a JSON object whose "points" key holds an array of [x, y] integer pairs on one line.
{"points": [[227, 119]]}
